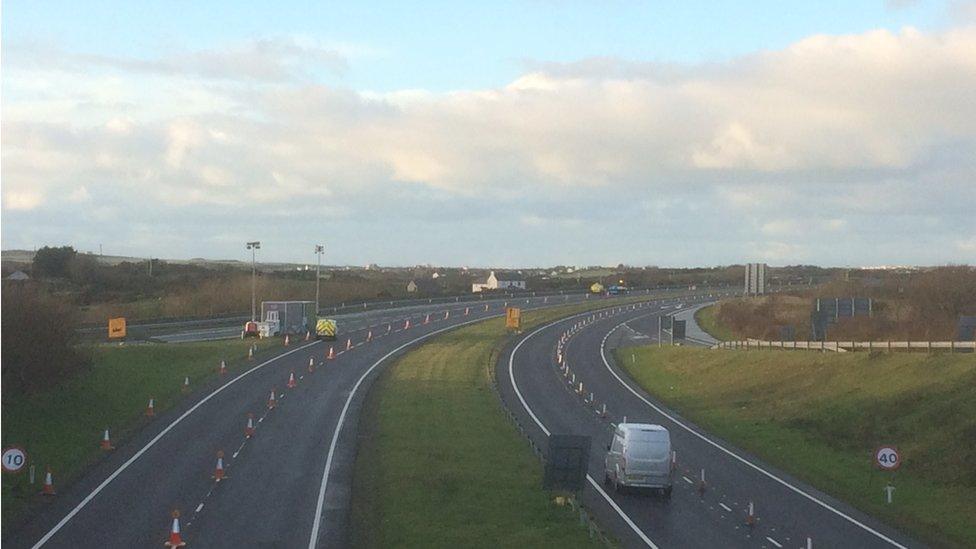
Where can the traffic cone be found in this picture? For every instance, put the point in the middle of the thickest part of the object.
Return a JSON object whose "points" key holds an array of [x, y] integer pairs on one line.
{"points": [[369, 335], [427, 319], [250, 352], [223, 367], [219, 469], [151, 408], [389, 328], [186, 384], [286, 340], [447, 315], [406, 325], [272, 402], [348, 344], [106, 441], [311, 364], [175, 540], [751, 517], [291, 381], [308, 335], [331, 354], [486, 307], [249, 429], [48, 488], [467, 310]]}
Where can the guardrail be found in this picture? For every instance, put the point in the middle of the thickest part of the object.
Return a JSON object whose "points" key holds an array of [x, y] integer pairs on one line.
{"points": [[848, 346]]}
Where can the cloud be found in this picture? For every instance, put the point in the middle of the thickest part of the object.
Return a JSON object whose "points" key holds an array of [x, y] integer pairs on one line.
{"points": [[874, 130]]}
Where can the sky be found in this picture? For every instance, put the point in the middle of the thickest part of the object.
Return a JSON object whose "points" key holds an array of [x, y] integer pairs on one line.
{"points": [[505, 134]]}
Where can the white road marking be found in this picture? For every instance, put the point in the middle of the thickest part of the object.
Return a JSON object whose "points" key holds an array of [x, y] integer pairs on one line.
{"points": [[774, 542], [199, 507], [525, 405], [152, 443], [688, 480], [735, 456], [726, 507]]}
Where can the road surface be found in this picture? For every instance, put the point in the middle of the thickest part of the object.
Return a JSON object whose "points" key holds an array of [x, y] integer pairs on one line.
{"points": [[786, 511]]}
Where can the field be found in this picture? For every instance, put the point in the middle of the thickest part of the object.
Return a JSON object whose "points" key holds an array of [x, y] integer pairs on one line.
{"points": [[62, 427], [706, 320], [820, 416], [443, 465]]}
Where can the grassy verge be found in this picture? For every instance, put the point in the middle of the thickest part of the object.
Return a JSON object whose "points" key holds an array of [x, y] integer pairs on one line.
{"points": [[61, 427], [707, 320], [820, 416], [440, 465]]}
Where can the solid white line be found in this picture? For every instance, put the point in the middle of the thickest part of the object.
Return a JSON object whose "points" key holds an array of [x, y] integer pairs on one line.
{"points": [[316, 523], [732, 454], [726, 507], [774, 542], [593, 483], [151, 443]]}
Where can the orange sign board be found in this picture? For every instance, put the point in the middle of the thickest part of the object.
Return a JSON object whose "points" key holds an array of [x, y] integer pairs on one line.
{"points": [[513, 318], [116, 328]]}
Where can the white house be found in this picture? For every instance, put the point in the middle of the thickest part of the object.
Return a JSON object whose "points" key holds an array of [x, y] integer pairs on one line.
{"points": [[500, 281]]}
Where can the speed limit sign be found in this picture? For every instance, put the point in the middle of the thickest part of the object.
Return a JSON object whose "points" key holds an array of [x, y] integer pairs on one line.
{"points": [[888, 458], [14, 459]]}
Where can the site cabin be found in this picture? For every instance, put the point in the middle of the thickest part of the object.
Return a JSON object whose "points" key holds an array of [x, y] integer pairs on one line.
{"points": [[289, 317]]}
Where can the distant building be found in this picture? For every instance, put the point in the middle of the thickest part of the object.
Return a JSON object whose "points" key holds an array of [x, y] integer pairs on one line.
{"points": [[500, 281], [18, 275], [423, 286], [755, 279]]}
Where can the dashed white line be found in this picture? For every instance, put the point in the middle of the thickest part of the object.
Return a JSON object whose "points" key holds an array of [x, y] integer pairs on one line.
{"points": [[774, 542], [688, 480], [726, 507], [199, 507]]}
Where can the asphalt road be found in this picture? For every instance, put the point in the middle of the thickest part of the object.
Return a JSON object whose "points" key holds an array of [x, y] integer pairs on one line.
{"points": [[288, 486], [787, 511]]}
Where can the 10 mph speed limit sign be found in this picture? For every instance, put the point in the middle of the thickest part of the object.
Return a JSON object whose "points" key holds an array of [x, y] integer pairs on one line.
{"points": [[888, 458], [13, 459]]}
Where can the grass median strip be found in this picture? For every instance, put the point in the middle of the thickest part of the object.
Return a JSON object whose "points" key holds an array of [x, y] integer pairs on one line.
{"points": [[440, 465], [820, 416], [706, 319], [61, 427]]}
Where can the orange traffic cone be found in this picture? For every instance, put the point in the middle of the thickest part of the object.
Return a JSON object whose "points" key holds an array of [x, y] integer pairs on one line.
{"points": [[311, 364], [271, 400], [348, 344], [219, 469], [751, 517], [331, 354], [406, 325], [249, 429], [291, 381], [107, 441], [369, 335], [223, 367], [186, 384], [175, 540], [48, 488], [286, 340], [151, 408]]}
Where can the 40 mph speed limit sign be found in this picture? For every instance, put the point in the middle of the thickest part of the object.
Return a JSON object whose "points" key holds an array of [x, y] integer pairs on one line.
{"points": [[888, 458], [13, 459]]}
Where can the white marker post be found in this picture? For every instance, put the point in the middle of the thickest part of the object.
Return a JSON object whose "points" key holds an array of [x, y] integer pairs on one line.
{"points": [[889, 490]]}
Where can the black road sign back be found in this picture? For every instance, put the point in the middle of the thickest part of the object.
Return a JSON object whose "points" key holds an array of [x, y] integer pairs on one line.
{"points": [[566, 464]]}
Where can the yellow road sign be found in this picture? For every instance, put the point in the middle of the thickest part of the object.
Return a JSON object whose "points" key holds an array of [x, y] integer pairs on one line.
{"points": [[513, 318], [116, 328]]}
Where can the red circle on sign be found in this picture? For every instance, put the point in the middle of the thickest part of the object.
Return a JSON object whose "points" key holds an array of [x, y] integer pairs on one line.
{"points": [[887, 458], [7, 468]]}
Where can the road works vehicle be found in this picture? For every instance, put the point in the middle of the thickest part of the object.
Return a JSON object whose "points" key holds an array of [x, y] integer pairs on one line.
{"points": [[325, 328], [639, 456]]}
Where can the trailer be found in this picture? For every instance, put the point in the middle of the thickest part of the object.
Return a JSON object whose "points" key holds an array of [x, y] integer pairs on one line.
{"points": [[291, 317]]}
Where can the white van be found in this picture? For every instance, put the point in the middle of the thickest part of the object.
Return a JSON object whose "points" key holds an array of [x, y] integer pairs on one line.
{"points": [[639, 456]]}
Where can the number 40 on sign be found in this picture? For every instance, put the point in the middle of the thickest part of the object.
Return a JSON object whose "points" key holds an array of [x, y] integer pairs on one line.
{"points": [[887, 458]]}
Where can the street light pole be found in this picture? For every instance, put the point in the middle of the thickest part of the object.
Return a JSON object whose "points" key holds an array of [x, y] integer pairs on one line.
{"points": [[254, 273], [319, 250]]}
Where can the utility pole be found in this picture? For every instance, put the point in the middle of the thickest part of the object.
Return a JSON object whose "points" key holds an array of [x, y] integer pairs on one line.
{"points": [[319, 250], [254, 273]]}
